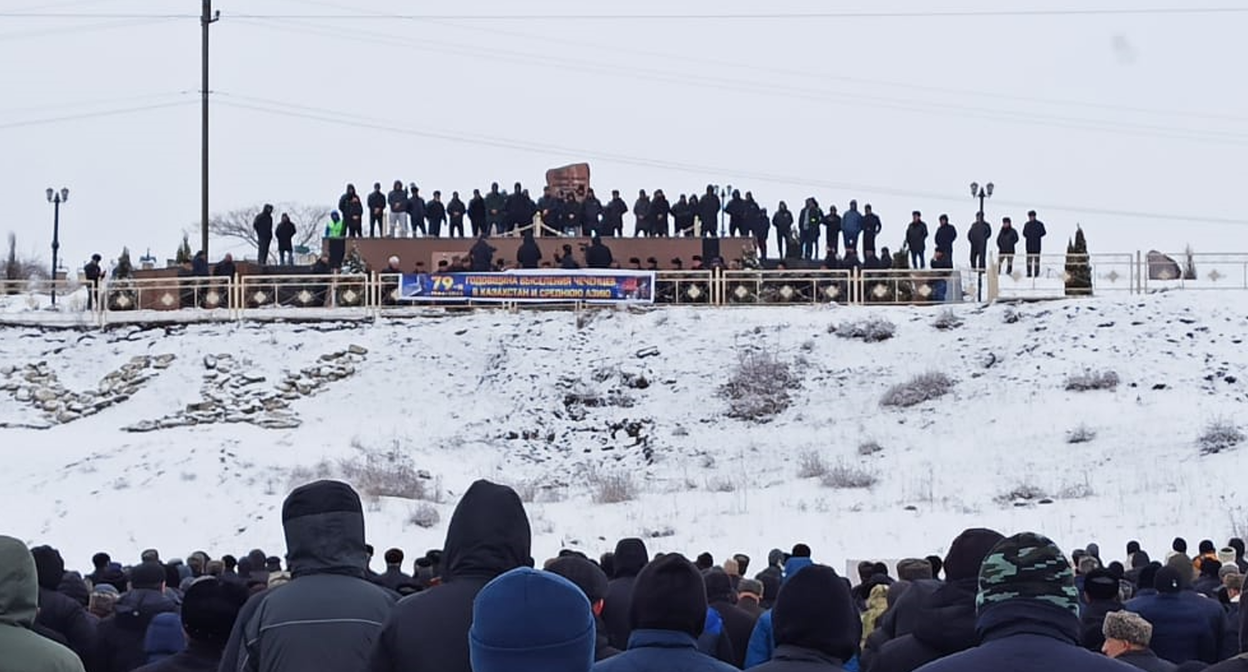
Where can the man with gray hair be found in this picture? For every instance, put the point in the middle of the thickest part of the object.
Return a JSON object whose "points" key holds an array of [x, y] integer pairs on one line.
{"points": [[1127, 636]]}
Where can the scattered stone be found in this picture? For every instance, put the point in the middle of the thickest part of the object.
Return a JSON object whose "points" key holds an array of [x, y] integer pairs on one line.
{"points": [[357, 350], [651, 351]]}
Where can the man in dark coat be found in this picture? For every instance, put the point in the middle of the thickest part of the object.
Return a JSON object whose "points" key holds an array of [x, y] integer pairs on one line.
{"points": [[708, 212], [683, 216], [814, 622], [476, 214], [1186, 626], [59, 612], [630, 557], [916, 240], [782, 222], [591, 214], [93, 273], [330, 614], [23, 646], [598, 255], [978, 235], [771, 577], [482, 255], [1126, 637], [495, 210], [435, 214], [352, 210], [417, 211], [737, 623], [660, 211], [1027, 614], [871, 228], [613, 215], [394, 578], [641, 216], [945, 235], [738, 215], [1007, 241], [376, 212], [528, 255], [107, 571], [119, 638], [667, 614], [593, 582], [455, 216], [263, 226], [808, 222], [1100, 590], [209, 611], [488, 535], [1033, 233]]}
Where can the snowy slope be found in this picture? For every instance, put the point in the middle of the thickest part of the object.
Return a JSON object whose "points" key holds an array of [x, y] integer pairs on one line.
{"points": [[554, 404]]}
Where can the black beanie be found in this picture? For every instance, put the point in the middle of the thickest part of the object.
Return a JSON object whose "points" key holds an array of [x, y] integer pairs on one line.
{"points": [[49, 566], [210, 608], [718, 586], [1099, 584], [1133, 547], [967, 553], [705, 561], [1167, 580], [1179, 545], [1206, 546], [1237, 544], [1146, 576], [669, 595], [586, 575], [814, 611]]}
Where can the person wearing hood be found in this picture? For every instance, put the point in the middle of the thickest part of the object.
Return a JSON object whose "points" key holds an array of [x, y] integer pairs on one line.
{"points": [[59, 612], [630, 557], [1100, 592], [598, 255], [978, 235], [1027, 614], [263, 226], [851, 226], [529, 255], [488, 536], [285, 241], [209, 612], [592, 581], [916, 240], [352, 209], [771, 577], [762, 639], [329, 615], [736, 622], [667, 614], [816, 625], [120, 638], [24, 650]]}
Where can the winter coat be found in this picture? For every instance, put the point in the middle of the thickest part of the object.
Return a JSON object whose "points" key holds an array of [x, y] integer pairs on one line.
{"points": [[120, 638], [428, 632], [263, 225], [762, 640], [682, 216], [197, 657], [1186, 626], [808, 221], [1026, 636], [416, 210], [662, 651], [916, 236], [455, 210], [598, 255], [602, 646], [945, 235], [738, 214], [979, 234], [376, 202], [529, 255], [1033, 232], [790, 658], [394, 579], [737, 623], [61, 614], [660, 209], [397, 200], [495, 207], [641, 213], [482, 255], [1007, 239], [435, 213], [613, 216], [1091, 636], [783, 222], [164, 637], [329, 615], [851, 223], [285, 234], [350, 206], [591, 213], [1148, 661], [476, 210], [944, 623], [871, 228], [630, 557], [708, 213], [714, 640], [23, 650]]}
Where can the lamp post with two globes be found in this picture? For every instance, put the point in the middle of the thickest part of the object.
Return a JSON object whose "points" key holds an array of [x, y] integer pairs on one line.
{"points": [[56, 198]]}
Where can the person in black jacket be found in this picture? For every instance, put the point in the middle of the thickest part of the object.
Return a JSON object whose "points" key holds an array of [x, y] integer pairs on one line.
{"points": [[488, 535], [945, 235], [598, 255], [59, 612], [435, 214], [641, 215], [514, 209], [814, 623], [1007, 239], [263, 226], [330, 614], [567, 261], [455, 214], [871, 228], [660, 210], [352, 210], [481, 255], [782, 221], [738, 215], [683, 217], [613, 216], [978, 235], [593, 582], [209, 611], [630, 557], [285, 241], [529, 255], [1100, 593], [591, 214], [119, 638], [570, 215], [737, 623], [1033, 233], [708, 212], [93, 273], [394, 578], [476, 214], [416, 211], [376, 212], [831, 222]]}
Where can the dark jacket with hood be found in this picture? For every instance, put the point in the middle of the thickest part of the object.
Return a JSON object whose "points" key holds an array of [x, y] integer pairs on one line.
{"points": [[528, 255], [23, 650], [120, 637], [630, 557], [736, 622], [428, 632], [329, 615], [814, 622], [59, 612]]}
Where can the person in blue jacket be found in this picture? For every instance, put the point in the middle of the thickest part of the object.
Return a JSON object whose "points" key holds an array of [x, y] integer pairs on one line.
{"points": [[851, 226], [1186, 626]]}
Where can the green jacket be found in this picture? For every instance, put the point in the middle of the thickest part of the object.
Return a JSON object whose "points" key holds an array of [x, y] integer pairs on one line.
{"points": [[25, 651]]}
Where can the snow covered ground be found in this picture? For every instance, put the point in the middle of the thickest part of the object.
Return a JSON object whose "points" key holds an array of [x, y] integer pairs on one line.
{"points": [[563, 406]]}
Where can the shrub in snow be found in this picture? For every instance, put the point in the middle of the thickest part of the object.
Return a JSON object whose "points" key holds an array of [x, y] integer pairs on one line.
{"points": [[1219, 435], [946, 320], [1080, 434], [721, 484], [847, 476], [758, 389], [870, 448], [1023, 492], [612, 487], [811, 464], [1076, 491], [921, 388], [873, 330], [1092, 380], [383, 473], [424, 515]]}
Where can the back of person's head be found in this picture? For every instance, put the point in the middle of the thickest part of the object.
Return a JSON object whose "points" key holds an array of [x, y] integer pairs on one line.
{"points": [[1210, 568], [584, 574], [394, 556], [530, 621], [164, 636], [100, 560], [967, 553], [731, 568], [718, 585], [312, 513], [1206, 546], [229, 561], [937, 564], [1087, 564], [814, 611], [705, 561], [800, 551], [669, 595], [1027, 567], [148, 575], [1133, 547], [1237, 544], [209, 610], [1168, 580], [914, 569], [49, 565], [1182, 566], [607, 562], [103, 599], [743, 563], [1100, 584], [1147, 575], [1140, 559], [750, 587], [1127, 626], [1179, 545], [630, 556]]}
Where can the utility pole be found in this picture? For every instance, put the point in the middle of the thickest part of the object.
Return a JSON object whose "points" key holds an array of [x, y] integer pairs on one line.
{"points": [[207, 20]]}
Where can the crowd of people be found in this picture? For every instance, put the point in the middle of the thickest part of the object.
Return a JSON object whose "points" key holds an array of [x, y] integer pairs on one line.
{"points": [[991, 603]]}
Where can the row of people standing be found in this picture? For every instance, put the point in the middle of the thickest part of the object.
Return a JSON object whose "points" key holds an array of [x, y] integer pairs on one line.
{"points": [[978, 235]]}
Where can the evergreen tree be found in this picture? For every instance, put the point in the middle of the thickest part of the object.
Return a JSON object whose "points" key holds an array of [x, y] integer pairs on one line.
{"points": [[1078, 270], [123, 270]]}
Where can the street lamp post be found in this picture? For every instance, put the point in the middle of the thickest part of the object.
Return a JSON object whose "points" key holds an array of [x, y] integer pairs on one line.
{"points": [[982, 193], [56, 198], [724, 195]]}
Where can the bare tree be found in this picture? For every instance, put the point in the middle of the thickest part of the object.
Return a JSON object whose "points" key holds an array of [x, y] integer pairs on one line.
{"points": [[22, 267], [309, 222]]}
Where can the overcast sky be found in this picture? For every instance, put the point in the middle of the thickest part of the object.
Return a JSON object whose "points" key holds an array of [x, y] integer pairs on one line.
{"points": [[1132, 124]]}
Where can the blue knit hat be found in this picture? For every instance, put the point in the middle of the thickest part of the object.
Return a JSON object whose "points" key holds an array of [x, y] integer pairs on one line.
{"points": [[531, 621]]}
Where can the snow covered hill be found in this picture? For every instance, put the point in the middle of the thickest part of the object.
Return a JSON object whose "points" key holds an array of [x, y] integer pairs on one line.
{"points": [[578, 411]]}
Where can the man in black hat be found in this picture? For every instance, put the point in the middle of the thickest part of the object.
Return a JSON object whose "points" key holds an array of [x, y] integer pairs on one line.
{"points": [[593, 582], [209, 611], [120, 637], [57, 611], [1186, 626], [815, 623]]}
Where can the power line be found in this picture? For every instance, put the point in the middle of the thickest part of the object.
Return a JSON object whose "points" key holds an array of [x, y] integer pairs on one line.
{"points": [[92, 115], [323, 115]]}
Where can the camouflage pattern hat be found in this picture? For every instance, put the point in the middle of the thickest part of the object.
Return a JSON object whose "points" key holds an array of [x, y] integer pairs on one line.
{"points": [[1027, 566]]}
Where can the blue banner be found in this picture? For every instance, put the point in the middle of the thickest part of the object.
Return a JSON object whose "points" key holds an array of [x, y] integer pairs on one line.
{"points": [[551, 286]]}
